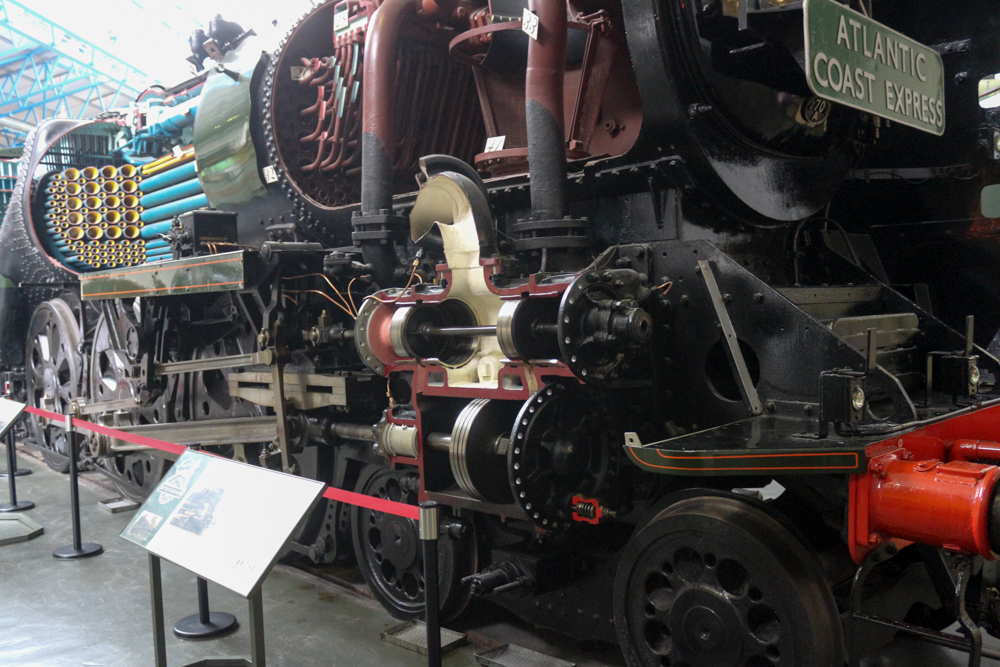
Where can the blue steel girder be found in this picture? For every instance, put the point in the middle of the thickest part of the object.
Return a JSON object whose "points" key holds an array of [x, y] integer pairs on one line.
{"points": [[28, 23], [68, 74], [53, 84]]}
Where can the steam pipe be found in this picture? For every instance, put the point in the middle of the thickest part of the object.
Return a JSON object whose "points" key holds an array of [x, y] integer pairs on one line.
{"points": [[184, 189], [544, 110], [378, 141], [152, 231], [174, 208], [170, 176]]}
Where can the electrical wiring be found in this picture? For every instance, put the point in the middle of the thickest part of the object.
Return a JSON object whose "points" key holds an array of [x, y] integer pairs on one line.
{"points": [[343, 302], [324, 295], [399, 296]]}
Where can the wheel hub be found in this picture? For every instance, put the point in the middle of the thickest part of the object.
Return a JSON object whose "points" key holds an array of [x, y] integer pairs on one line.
{"points": [[397, 538], [703, 623]]}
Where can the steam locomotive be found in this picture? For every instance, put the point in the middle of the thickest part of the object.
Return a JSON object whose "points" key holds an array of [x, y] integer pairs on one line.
{"points": [[684, 310]]}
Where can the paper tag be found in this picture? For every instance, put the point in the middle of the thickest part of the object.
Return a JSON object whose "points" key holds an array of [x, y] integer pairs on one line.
{"points": [[298, 73], [495, 143], [341, 19], [529, 24], [177, 151], [270, 174]]}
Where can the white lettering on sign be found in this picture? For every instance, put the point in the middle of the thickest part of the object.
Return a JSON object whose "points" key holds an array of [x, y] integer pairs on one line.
{"points": [[298, 73], [529, 24], [270, 174], [860, 63]]}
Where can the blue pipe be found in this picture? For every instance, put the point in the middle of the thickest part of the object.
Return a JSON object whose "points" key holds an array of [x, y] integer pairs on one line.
{"points": [[174, 208], [159, 251], [171, 176], [180, 191], [152, 231], [158, 243]]}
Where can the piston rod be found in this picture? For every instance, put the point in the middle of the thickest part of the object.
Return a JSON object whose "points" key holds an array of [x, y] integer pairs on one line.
{"points": [[430, 330]]}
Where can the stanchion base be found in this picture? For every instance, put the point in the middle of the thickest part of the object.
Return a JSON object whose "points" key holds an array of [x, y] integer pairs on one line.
{"points": [[219, 623], [86, 550], [20, 472], [19, 506]]}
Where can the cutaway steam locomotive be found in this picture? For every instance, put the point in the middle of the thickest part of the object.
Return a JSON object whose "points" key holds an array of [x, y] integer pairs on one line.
{"points": [[591, 274]]}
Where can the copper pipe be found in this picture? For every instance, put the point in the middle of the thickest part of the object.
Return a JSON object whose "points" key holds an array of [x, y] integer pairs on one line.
{"points": [[113, 233], [75, 233], [91, 187], [90, 173], [93, 217], [113, 217], [130, 186], [109, 171], [128, 171], [71, 174], [94, 233], [73, 189], [110, 186], [93, 202], [73, 203], [112, 201], [130, 201]]}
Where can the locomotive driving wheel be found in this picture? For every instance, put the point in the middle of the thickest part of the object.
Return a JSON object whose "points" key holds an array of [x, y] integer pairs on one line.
{"points": [[135, 474], [54, 372], [716, 582], [389, 552]]}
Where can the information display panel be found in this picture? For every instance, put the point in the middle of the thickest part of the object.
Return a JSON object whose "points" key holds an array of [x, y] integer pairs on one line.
{"points": [[10, 412], [225, 521]]}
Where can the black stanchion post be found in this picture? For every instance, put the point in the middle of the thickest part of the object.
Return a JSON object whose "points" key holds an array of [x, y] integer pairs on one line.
{"points": [[13, 505], [12, 463], [429, 541], [205, 623], [78, 549]]}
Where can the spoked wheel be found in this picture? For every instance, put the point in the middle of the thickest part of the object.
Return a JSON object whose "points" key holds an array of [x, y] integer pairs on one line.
{"points": [[135, 474], [54, 369], [716, 582], [389, 552]]}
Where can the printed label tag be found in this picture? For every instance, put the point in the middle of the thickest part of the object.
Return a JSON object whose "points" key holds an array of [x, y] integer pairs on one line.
{"points": [[270, 174], [341, 20], [298, 72], [495, 143], [529, 24]]}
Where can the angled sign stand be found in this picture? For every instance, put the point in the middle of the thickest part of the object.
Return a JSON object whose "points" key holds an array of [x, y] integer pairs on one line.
{"points": [[196, 518]]}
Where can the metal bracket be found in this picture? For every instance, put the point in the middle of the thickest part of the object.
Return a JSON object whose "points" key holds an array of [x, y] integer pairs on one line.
{"points": [[264, 357], [736, 360]]}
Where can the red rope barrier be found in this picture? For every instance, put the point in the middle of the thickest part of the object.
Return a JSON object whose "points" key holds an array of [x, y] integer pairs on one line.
{"points": [[349, 497]]}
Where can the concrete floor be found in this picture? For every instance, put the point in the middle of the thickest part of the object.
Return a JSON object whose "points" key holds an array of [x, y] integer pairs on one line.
{"points": [[95, 612]]}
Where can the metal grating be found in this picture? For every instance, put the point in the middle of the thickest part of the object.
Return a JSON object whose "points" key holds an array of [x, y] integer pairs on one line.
{"points": [[512, 655], [412, 635]]}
